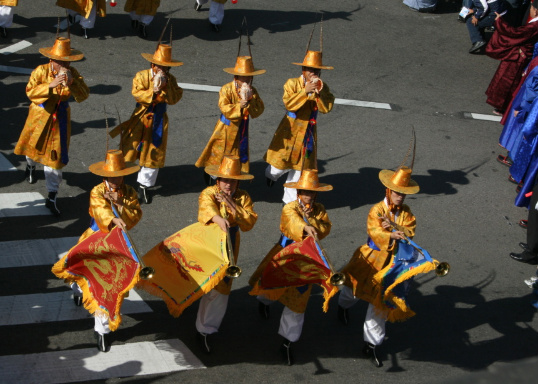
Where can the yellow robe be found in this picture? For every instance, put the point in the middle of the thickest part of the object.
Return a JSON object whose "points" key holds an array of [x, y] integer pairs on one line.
{"points": [[285, 151], [83, 7], [244, 217], [41, 134], [142, 7], [225, 138], [366, 262], [134, 130], [101, 210], [292, 226], [9, 3]]}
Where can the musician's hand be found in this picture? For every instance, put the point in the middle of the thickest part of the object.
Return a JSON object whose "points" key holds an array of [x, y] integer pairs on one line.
{"points": [[221, 222], [310, 231], [516, 113], [57, 81], [119, 223], [397, 235], [243, 103], [226, 199], [307, 209], [68, 78], [385, 222], [115, 197], [309, 87]]}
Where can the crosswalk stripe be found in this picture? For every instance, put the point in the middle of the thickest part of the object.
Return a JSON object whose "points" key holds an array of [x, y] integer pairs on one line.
{"points": [[56, 306], [133, 359], [15, 47], [22, 204], [5, 165], [27, 253]]}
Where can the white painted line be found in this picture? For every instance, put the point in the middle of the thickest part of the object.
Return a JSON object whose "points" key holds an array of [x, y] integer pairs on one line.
{"points": [[22, 204], [365, 104], [479, 116], [88, 364], [199, 87], [56, 306], [26, 253], [24, 71], [5, 165], [15, 47]]}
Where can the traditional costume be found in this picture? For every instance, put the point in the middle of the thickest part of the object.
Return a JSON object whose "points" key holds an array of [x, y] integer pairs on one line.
{"points": [[113, 278], [144, 135], [216, 12], [85, 11], [362, 278], [47, 131], [6, 15], [292, 224], [294, 144], [230, 136], [142, 13], [513, 46]]}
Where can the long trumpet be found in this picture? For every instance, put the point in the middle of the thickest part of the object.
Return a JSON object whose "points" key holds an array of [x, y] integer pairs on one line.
{"points": [[337, 278], [441, 268], [233, 269]]}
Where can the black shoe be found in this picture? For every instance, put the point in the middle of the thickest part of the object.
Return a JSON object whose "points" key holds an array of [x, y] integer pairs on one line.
{"points": [[525, 257], [204, 342], [50, 203], [524, 246], [103, 342], [4, 32], [269, 182], [134, 24], [215, 27], [369, 352], [29, 174], [85, 33], [77, 300], [207, 179], [143, 195], [143, 30], [197, 7], [285, 349], [477, 46], [264, 310], [343, 315]]}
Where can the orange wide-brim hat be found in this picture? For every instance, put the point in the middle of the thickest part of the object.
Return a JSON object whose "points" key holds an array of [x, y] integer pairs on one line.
{"points": [[229, 168], [399, 180], [313, 59], [62, 51], [114, 165], [244, 67], [162, 56], [309, 181]]}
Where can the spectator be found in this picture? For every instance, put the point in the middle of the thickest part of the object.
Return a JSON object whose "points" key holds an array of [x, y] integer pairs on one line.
{"points": [[483, 14]]}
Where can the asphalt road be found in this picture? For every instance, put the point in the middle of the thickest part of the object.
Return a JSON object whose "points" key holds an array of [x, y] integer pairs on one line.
{"points": [[476, 319]]}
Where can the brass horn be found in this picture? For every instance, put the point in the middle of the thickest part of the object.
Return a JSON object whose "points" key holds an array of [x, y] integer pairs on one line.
{"points": [[145, 271], [233, 269], [442, 269]]}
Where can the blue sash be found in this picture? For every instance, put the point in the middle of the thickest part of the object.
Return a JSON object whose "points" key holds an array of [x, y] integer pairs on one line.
{"points": [[158, 120], [291, 114], [243, 140], [308, 142], [372, 245], [224, 120]]}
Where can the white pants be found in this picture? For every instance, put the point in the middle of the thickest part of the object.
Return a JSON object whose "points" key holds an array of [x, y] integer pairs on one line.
{"points": [[374, 324], [290, 194], [216, 11], [211, 312], [85, 23], [6, 16], [144, 19], [291, 323], [53, 177], [100, 323], [147, 176]]}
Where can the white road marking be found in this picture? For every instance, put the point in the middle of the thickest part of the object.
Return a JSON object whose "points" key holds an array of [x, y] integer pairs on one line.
{"points": [[199, 87], [88, 364], [26, 253], [365, 104], [56, 306], [479, 116], [15, 47], [5, 165], [22, 204], [7, 68]]}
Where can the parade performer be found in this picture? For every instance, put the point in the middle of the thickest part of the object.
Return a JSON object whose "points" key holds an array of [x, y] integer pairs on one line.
{"points": [[47, 131], [6, 15], [300, 218], [513, 46], [294, 144], [85, 10], [238, 101], [142, 13], [379, 270], [99, 273], [216, 12], [189, 264], [144, 135]]}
